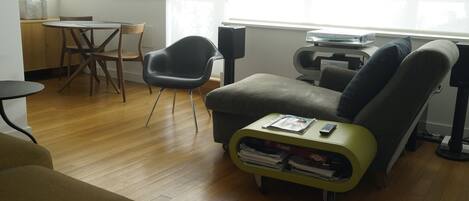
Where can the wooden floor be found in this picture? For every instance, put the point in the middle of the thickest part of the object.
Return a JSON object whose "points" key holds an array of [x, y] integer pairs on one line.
{"points": [[102, 141]]}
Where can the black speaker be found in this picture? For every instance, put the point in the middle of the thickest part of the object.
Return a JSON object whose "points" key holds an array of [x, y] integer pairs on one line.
{"points": [[231, 41], [231, 44], [460, 71]]}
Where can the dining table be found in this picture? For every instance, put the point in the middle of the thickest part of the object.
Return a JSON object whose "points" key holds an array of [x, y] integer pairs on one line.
{"points": [[86, 47]]}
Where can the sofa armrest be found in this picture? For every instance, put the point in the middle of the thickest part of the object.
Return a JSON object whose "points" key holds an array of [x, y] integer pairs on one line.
{"points": [[336, 78], [390, 114], [15, 152]]}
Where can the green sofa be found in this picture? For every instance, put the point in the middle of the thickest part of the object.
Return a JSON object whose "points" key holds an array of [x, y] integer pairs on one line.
{"points": [[26, 174], [391, 115]]}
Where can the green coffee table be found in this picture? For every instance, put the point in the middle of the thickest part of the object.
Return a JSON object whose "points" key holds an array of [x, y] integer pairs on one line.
{"points": [[354, 142]]}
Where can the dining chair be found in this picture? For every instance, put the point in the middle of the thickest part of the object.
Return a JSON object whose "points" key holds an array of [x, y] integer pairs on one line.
{"points": [[120, 55], [68, 47], [186, 64]]}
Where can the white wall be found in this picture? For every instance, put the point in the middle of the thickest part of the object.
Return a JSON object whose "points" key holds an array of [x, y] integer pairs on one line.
{"points": [[152, 12], [270, 50], [53, 8], [11, 62]]}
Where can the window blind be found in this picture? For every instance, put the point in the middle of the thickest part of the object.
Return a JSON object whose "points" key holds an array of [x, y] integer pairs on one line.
{"points": [[421, 16]]}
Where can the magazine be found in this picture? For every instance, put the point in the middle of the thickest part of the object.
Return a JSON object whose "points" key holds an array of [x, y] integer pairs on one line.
{"points": [[300, 160], [304, 165], [269, 159], [290, 123]]}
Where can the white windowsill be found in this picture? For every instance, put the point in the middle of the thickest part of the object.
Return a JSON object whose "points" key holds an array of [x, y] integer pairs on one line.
{"points": [[379, 33]]}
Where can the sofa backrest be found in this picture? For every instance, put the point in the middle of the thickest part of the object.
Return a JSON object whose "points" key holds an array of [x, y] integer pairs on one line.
{"points": [[389, 115]]}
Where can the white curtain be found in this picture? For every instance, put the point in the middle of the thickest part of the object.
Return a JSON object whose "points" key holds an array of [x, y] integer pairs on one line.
{"points": [[194, 17]]}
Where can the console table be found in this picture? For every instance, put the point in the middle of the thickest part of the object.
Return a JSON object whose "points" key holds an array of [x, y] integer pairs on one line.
{"points": [[353, 142], [17, 89], [42, 46]]}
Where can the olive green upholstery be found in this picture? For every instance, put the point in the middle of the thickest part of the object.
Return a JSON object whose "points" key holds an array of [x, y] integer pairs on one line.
{"points": [[17, 153], [26, 175]]}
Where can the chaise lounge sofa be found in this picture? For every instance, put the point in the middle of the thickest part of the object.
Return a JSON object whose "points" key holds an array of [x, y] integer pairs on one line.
{"points": [[391, 115]]}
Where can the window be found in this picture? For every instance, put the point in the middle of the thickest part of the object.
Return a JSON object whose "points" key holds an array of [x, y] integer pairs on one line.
{"points": [[420, 16], [193, 17]]}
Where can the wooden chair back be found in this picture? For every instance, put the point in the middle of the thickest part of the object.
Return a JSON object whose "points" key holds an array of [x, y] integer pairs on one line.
{"points": [[133, 29]]}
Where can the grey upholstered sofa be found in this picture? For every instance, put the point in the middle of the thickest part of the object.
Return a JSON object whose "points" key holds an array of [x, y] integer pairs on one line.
{"points": [[391, 115]]}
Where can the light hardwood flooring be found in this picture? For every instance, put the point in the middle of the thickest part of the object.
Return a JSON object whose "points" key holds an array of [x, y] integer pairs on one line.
{"points": [[102, 141]]}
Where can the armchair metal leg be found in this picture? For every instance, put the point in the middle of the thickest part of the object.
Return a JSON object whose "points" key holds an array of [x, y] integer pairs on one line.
{"points": [[174, 100], [203, 100], [193, 111], [149, 89], [151, 113]]}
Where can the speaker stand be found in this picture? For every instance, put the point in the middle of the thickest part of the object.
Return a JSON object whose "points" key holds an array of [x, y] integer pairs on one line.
{"points": [[444, 153], [229, 71], [455, 151]]}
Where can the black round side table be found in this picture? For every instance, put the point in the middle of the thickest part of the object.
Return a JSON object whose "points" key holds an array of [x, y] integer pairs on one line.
{"points": [[17, 89]]}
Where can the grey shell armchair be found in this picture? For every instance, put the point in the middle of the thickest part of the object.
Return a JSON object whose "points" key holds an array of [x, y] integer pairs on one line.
{"points": [[186, 64]]}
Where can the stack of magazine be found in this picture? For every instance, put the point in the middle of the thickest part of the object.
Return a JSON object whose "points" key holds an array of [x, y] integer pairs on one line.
{"points": [[299, 160], [310, 168], [262, 157]]}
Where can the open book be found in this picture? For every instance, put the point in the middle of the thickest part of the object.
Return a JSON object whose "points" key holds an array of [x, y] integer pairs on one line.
{"points": [[290, 123]]}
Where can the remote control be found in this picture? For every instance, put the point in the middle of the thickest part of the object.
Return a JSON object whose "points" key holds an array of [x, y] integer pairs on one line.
{"points": [[328, 129]]}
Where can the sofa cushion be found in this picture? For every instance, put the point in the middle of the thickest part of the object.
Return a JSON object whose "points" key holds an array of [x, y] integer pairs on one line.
{"points": [[23, 152], [262, 94], [39, 183], [372, 77]]}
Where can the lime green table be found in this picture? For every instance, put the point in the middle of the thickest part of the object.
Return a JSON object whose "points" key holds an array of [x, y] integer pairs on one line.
{"points": [[354, 142]]}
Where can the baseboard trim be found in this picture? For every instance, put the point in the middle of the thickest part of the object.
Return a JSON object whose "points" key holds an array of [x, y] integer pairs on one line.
{"points": [[443, 129], [211, 84], [49, 73], [129, 76]]}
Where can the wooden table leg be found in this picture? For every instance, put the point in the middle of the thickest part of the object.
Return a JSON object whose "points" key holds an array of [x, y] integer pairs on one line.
{"points": [[122, 81], [92, 75], [108, 77], [75, 74], [88, 59]]}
